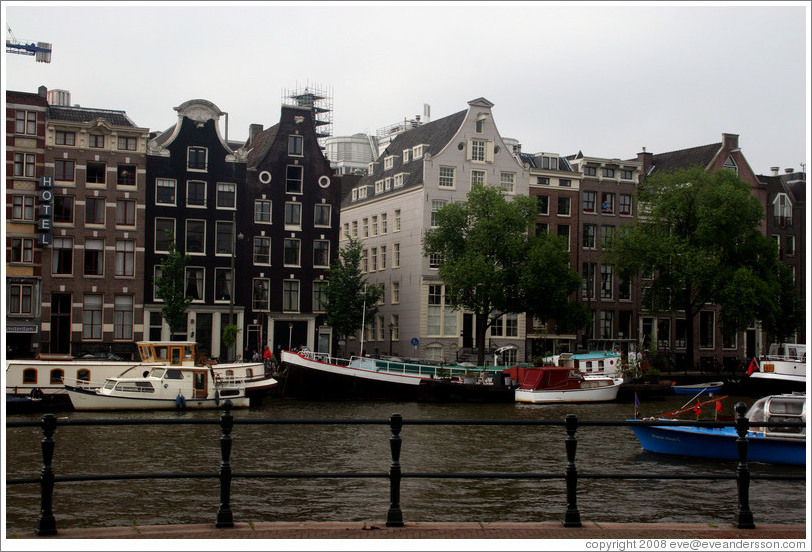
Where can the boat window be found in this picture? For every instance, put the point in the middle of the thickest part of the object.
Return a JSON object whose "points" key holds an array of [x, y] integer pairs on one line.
{"points": [[109, 384], [174, 353], [229, 392], [57, 376], [230, 373], [188, 353], [135, 387], [249, 372], [160, 353], [785, 429], [756, 412], [786, 406], [174, 374], [157, 373], [30, 375], [83, 374], [143, 351]]}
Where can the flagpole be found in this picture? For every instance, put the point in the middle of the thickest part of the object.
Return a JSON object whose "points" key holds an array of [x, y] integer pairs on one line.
{"points": [[363, 319]]}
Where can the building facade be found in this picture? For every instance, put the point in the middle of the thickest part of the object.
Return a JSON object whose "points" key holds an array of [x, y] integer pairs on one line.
{"points": [[25, 169]]}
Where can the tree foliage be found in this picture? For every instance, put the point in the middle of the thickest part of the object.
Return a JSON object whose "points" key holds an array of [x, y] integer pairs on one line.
{"points": [[348, 292], [492, 264], [169, 287], [697, 237]]}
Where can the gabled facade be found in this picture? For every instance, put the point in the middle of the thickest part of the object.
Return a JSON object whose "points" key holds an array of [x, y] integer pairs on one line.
{"points": [[92, 269], [25, 167], [390, 209], [289, 225], [194, 184]]}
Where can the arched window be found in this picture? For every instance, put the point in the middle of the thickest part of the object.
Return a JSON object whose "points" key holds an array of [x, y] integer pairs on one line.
{"points": [[30, 375], [57, 376], [82, 374]]}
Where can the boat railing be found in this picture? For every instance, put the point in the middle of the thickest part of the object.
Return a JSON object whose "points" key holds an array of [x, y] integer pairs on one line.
{"points": [[47, 480]]}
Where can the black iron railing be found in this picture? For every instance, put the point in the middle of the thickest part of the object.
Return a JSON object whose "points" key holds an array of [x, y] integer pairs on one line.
{"points": [[46, 523]]}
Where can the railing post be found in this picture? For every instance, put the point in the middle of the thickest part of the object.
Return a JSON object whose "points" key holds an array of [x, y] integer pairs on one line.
{"points": [[395, 516], [46, 524], [745, 516], [224, 517], [572, 518]]}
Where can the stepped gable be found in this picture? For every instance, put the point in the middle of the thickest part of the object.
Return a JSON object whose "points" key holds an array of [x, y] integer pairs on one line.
{"points": [[88, 115], [435, 135]]}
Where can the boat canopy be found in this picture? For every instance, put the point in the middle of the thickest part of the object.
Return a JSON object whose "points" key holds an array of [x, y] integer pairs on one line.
{"points": [[548, 377]]}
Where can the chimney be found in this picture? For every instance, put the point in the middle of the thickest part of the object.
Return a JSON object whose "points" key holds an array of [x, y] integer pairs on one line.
{"points": [[730, 141], [789, 170], [774, 171], [253, 130], [647, 159], [42, 91]]}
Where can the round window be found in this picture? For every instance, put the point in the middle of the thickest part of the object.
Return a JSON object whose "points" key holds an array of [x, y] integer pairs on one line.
{"points": [[265, 177], [324, 181]]}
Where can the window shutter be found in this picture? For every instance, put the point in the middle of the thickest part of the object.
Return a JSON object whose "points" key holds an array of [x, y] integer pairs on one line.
{"points": [[468, 148], [489, 152]]}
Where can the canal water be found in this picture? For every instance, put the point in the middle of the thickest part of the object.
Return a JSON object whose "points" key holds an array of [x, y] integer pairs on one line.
{"points": [[365, 449]]}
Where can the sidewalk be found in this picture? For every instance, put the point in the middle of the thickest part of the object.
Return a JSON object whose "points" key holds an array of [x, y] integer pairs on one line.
{"points": [[378, 530]]}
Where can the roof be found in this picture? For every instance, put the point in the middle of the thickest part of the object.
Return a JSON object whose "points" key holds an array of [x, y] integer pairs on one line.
{"points": [[434, 135], [88, 115], [533, 162], [260, 144], [699, 155]]}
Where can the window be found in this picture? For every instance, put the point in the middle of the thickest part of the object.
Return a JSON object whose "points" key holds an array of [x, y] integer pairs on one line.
{"points": [[64, 138], [127, 143], [624, 289], [226, 195], [262, 250], [730, 165], [782, 210], [607, 203], [417, 151], [706, 329], [384, 224], [506, 325], [260, 298], [379, 186], [607, 233], [293, 180], [22, 207], [383, 257], [63, 209], [30, 375], [25, 122], [590, 171], [790, 246], [564, 206], [397, 220], [508, 181], [92, 317], [319, 296], [565, 182], [625, 175], [374, 258], [355, 229], [388, 162], [25, 164], [407, 155], [22, 250], [321, 253], [364, 261], [542, 228], [292, 252], [543, 204], [446, 177], [262, 210], [365, 228], [95, 140], [196, 193], [435, 260], [589, 199], [663, 333], [195, 236], [62, 256], [123, 317], [94, 257], [564, 233], [436, 205], [396, 256], [477, 150], [588, 280], [64, 170], [125, 258], [222, 284], [223, 237], [605, 324], [94, 210], [194, 282], [125, 212], [196, 159], [290, 296], [295, 144], [125, 175], [441, 319], [542, 180], [20, 299], [293, 215], [607, 281], [395, 293], [589, 236], [57, 376], [625, 205], [322, 215], [609, 173], [164, 191], [477, 177]]}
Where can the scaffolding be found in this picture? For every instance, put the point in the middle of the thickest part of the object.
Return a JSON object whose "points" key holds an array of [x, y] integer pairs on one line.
{"points": [[320, 100]]}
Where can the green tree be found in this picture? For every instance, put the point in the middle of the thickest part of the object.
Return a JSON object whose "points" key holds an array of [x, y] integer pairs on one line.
{"points": [[348, 292], [169, 287], [697, 237], [491, 263]]}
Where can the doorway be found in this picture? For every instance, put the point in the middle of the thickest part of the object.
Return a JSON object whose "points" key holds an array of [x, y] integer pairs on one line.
{"points": [[60, 322]]}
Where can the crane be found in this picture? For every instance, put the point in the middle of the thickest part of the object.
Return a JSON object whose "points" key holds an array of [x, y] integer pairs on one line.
{"points": [[41, 50]]}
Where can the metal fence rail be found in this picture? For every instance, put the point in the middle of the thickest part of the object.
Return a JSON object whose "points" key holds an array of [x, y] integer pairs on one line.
{"points": [[46, 523]]}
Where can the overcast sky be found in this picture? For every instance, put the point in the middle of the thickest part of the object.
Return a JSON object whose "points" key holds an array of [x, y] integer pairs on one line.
{"points": [[603, 78]]}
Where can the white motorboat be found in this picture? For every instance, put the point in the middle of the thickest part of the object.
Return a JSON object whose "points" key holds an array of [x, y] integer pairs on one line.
{"points": [[558, 384], [782, 369]]}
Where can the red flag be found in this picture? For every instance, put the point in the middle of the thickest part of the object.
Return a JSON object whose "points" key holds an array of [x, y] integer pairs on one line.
{"points": [[753, 367], [718, 406]]}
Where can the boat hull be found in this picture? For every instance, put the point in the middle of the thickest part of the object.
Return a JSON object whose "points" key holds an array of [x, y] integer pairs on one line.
{"points": [[592, 394], [84, 399], [313, 379], [444, 391], [719, 444], [694, 390]]}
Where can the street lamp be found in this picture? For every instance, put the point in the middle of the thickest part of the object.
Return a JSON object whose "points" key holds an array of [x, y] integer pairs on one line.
{"points": [[391, 329], [290, 335]]}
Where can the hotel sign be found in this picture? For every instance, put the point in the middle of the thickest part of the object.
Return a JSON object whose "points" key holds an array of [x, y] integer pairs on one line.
{"points": [[46, 209]]}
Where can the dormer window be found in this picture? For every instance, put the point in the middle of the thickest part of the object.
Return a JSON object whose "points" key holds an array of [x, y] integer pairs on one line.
{"points": [[388, 162], [731, 165], [417, 151], [782, 210], [378, 186], [407, 155]]}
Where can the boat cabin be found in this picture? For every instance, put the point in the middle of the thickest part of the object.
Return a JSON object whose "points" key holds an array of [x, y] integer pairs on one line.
{"points": [[779, 408], [174, 353], [552, 377], [787, 351]]}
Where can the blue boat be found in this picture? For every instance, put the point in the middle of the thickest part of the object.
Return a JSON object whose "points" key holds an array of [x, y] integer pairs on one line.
{"points": [[773, 445], [696, 389]]}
